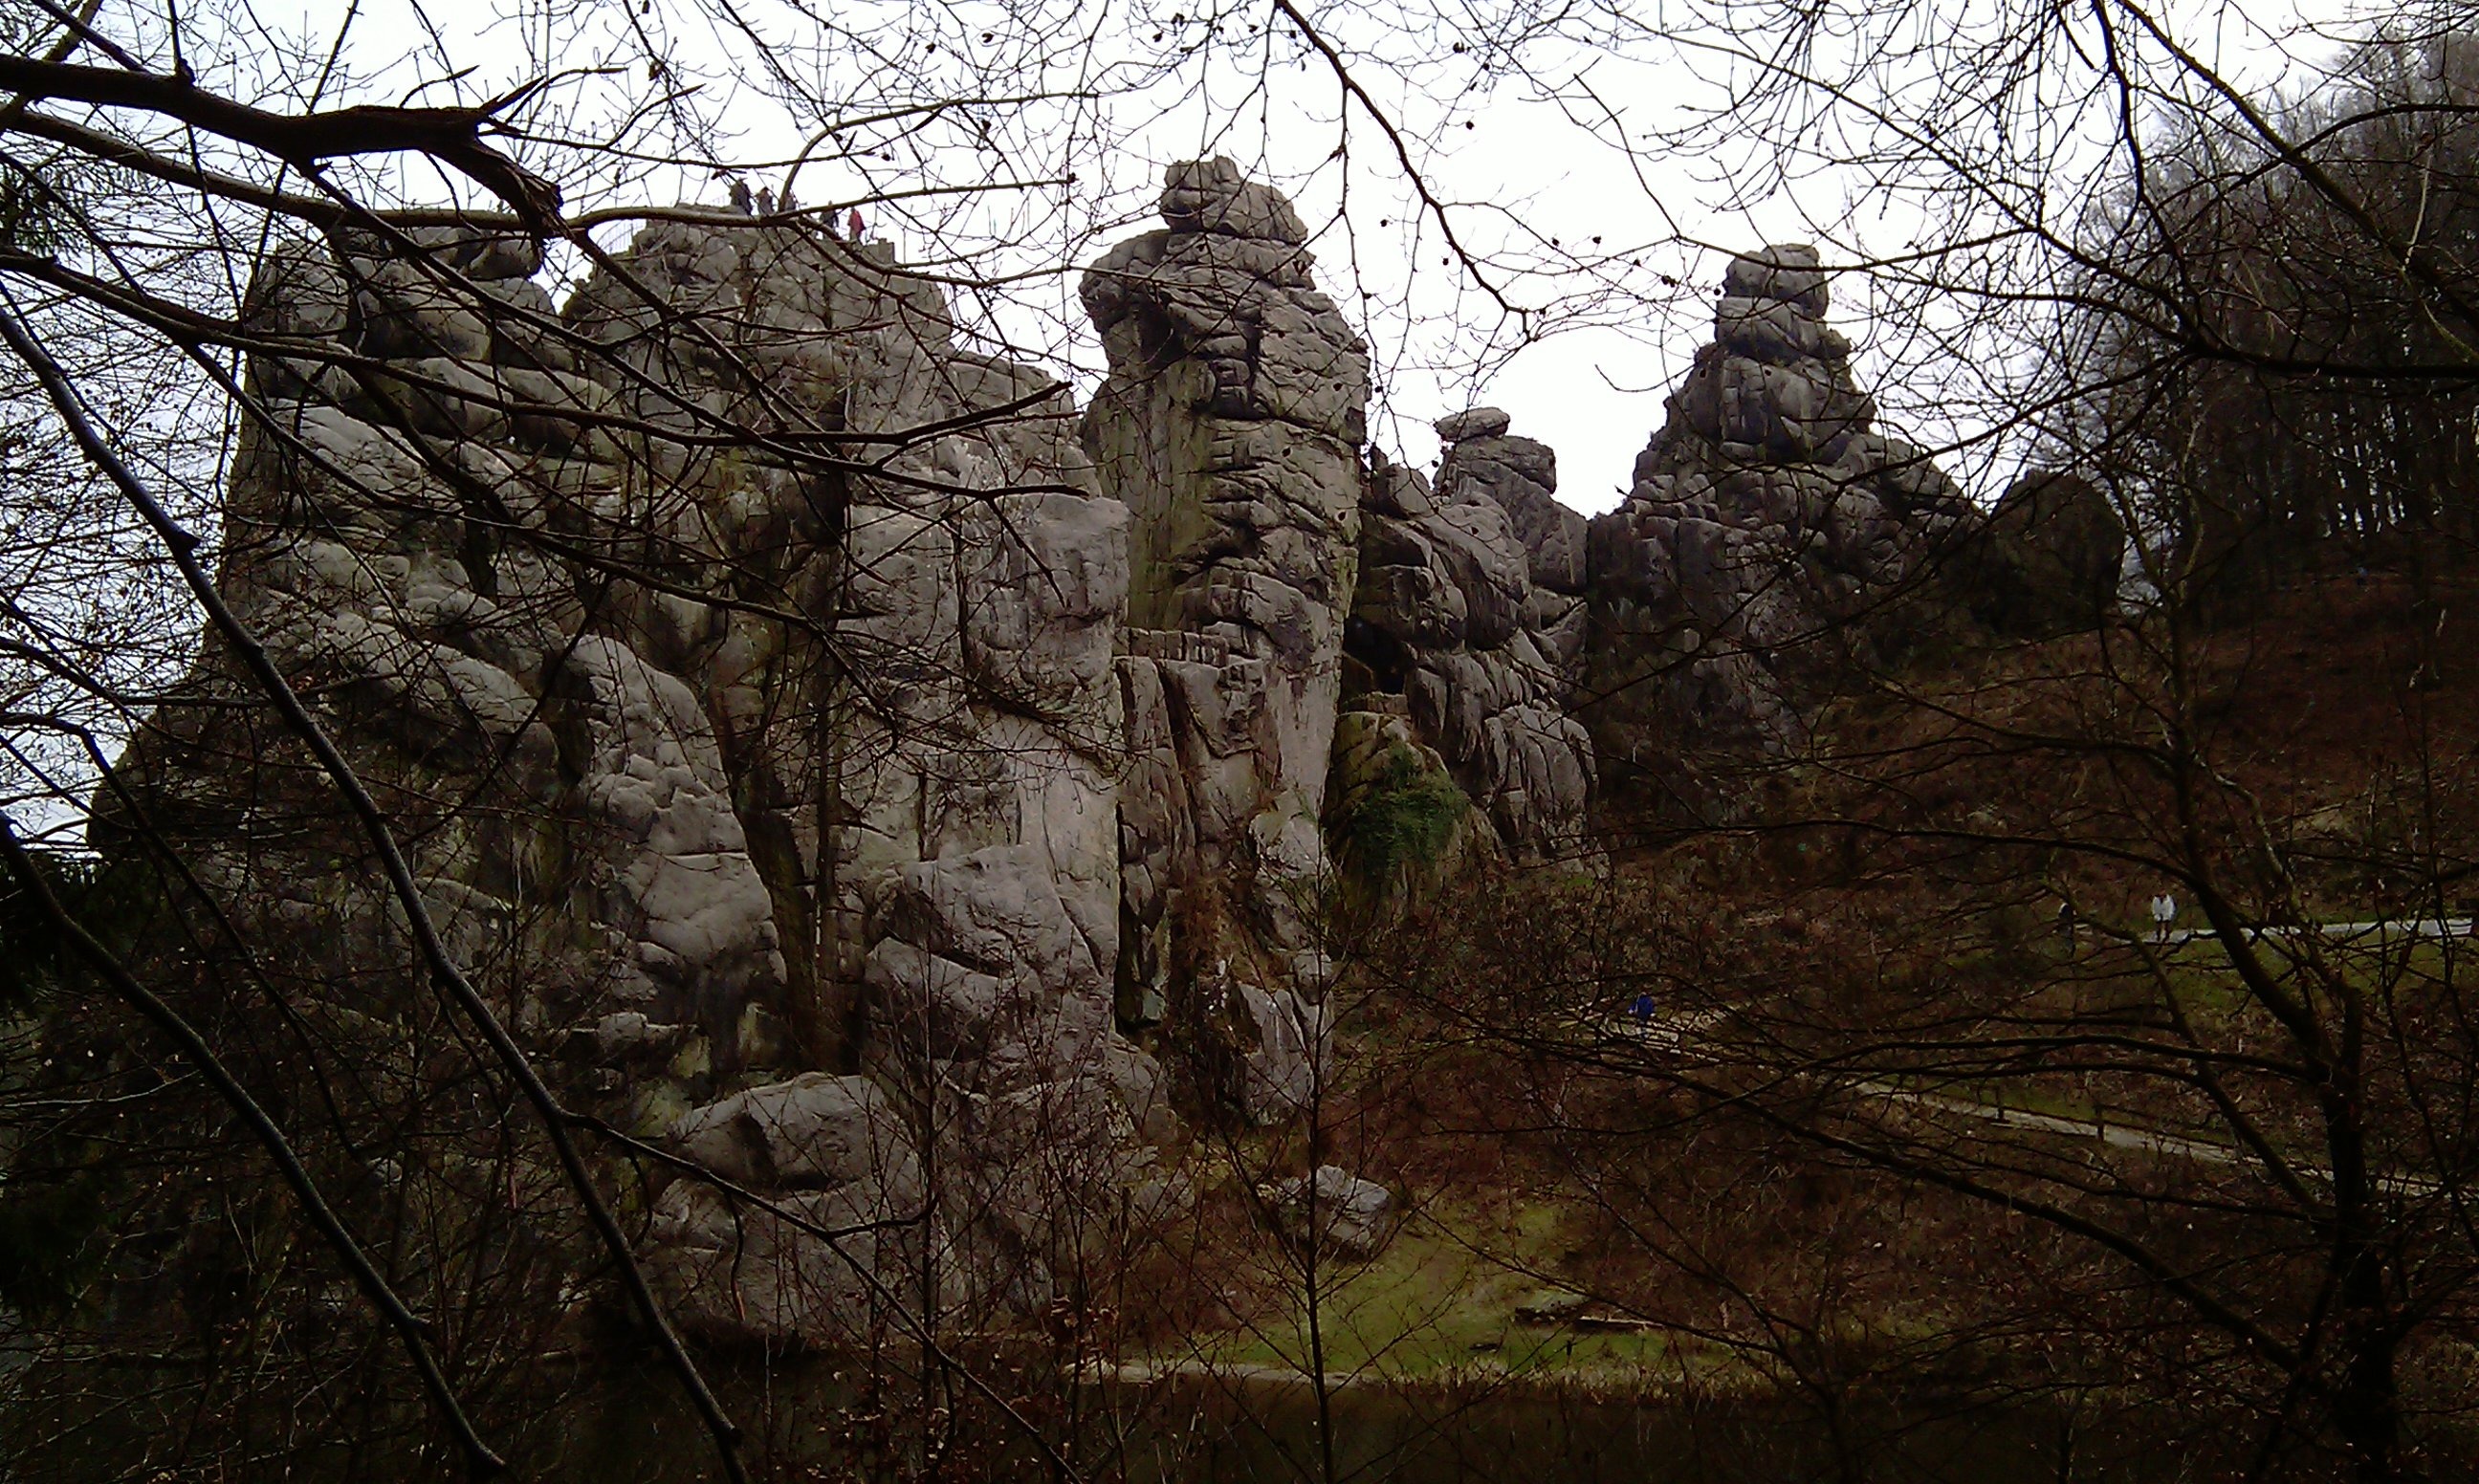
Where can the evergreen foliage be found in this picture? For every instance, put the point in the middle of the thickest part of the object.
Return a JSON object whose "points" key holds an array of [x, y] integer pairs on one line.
{"points": [[1403, 821]]}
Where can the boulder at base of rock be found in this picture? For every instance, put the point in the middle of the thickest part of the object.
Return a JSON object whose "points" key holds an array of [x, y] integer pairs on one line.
{"points": [[821, 1268], [816, 1128], [1348, 1215]]}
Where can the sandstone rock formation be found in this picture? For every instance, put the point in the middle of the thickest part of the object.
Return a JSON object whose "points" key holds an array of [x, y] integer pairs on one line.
{"points": [[1768, 524], [746, 739], [1229, 427], [828, 751], [853, 763], [851, 1226], [1471, 608], [1334, 1212], [2046, 561]]}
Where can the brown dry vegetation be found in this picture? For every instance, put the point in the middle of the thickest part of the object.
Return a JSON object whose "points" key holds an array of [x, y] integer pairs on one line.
{"points": [[1877, 925]]}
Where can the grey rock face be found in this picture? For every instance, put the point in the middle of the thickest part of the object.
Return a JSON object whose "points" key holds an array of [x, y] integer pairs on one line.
{"points": [[1230, 426], [1288, 1051], [1767, 518], [814, 1130], [685, 914], [984, 962], [1336, 1211], [821, 1268], [832, 777], [1471, 610], [778, 790], [1212, 195], [1473, 423], [1787, 274]]}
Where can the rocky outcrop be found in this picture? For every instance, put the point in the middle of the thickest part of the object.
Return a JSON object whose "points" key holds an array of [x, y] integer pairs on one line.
{"points": [[1278, 582], [845, 1237], [1471, 608], [1769, 527], [1334, 1212], [1230, 426], [850, 763], [832, 753], [2047, 560], [750, 711]]}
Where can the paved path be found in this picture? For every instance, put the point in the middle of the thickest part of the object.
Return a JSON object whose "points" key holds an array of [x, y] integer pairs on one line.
{"points": [[2115, 1134], [2423, 927], [1673, 1033]]}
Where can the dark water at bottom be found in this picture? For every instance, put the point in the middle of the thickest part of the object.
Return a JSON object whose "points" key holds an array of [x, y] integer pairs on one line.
{"points": [[1197, 1430], [805, 1423]]}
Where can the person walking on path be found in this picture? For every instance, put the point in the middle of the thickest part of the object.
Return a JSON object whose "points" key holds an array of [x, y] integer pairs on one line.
{"points": [[2165, 911]]}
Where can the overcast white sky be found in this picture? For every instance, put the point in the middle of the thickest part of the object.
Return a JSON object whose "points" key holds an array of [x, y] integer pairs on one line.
{"points": [[1523, 171], [1596, 395]]}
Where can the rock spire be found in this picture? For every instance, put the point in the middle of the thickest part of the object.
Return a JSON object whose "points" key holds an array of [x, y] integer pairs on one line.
{"points": [[1768, 519]]}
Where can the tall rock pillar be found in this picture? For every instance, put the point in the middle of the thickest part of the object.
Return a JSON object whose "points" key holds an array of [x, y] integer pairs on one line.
{"points": [[1231, 426]]}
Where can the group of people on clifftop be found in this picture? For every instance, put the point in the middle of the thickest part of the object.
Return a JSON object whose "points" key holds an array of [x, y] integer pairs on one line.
{"points": [[763, 203]]}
